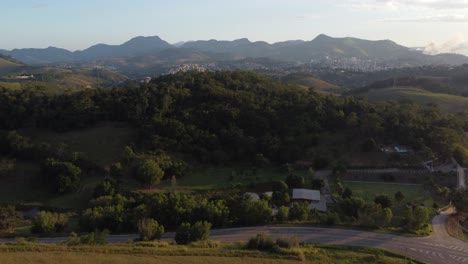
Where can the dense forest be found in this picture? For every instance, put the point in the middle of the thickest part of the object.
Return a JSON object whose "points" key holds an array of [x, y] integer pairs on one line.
{"points": [[213, 118], [234, 116]]}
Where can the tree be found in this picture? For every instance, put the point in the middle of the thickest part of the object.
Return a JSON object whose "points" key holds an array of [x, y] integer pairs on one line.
{"points": [[383, 200], [279, 186], [283, 214], [373, 215], [351, 206], [459, 200], [148, 172], [299, 211], [347, 193], [61, 176], [384, 218], [295, 181], [280, 198], [317, 184], [128, 154], [253, 213], [8, 217], [416, 217], [105, 188], [182, 235], [461, 155], [149, 229], [116, 170], [399, 197]]}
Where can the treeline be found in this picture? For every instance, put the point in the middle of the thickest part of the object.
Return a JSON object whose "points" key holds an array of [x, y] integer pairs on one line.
{"points": [[234, 116]]}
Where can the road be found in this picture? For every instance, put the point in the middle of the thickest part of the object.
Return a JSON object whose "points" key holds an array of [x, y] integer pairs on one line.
{"points": [[461, 181], [440, 247]]}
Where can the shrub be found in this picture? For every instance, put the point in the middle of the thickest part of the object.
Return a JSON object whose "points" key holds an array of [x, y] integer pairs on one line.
{"points": [[264, 242], [291, 242], [149, 229], [261, 242], [187, 233], [205, 244], [158, 244], [383, 200], [95, 238], [73, 239], [299, 211], [48, 222], [283, 214]]}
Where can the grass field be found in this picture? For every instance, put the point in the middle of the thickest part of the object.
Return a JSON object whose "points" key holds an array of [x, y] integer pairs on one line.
{"points": [[103, 143], [412, 193], [11, 85], [226, 253], [103, 258], [447, 102], [222, 177], [24, 187]]}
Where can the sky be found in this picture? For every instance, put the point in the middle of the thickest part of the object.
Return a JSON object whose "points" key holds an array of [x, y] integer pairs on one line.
{"points": [[436, 25]]}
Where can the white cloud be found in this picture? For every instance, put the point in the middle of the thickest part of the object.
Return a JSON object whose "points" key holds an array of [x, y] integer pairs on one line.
{"points": [[449, 18], [396, 4], [455, 44]]}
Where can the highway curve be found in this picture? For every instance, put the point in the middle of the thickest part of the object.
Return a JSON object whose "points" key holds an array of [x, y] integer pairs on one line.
{"points": [[440, 247]]}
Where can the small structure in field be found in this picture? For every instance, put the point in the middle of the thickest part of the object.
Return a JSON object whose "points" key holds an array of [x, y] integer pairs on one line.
{"points": [[313, 197]]}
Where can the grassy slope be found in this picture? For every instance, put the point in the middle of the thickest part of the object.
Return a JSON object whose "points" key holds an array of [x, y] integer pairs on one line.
{"points": [[11, 85], [447, 102], [102, 144], [368, 191], [103, 258], [219, 177], [7, 63], [306, 80], [229, 253], [7, 66]]}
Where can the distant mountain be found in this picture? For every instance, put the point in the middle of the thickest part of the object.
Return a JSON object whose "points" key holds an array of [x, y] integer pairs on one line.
{"points": [[384, 53], [240, 47], [133, 47], [41, 56], [324, 45]]}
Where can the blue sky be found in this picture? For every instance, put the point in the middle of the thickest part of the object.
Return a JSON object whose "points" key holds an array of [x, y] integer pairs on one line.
{"points": [[441, 25]]}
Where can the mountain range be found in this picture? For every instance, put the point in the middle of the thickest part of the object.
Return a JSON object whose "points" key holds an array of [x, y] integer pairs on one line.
{"points": [[323, 47]]}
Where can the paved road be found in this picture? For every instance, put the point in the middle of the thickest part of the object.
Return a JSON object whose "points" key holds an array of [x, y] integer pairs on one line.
{"points": [[461, 181], [438, 248]]}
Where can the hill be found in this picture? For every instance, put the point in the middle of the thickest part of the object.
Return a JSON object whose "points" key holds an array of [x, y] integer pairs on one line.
{"points": [[447, 102], [310, 81], [56, 80], [8, 65]]}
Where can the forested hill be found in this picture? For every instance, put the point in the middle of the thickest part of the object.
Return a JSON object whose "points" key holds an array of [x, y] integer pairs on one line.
{"points": [[235, 116]]}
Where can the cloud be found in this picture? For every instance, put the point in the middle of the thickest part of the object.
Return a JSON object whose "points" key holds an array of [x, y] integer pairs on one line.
{"points": [[455, 44], [453, 18], [396, 4]]}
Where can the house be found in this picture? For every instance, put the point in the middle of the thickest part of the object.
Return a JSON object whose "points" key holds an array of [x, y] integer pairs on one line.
{"points": [[313, 197], [306, 194]]}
